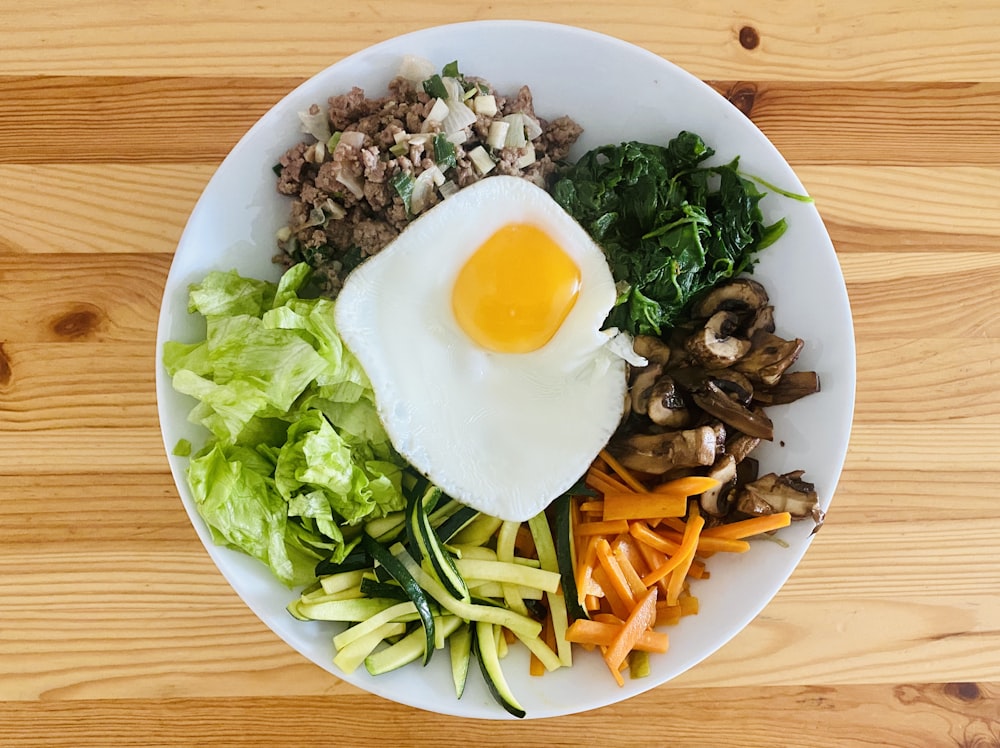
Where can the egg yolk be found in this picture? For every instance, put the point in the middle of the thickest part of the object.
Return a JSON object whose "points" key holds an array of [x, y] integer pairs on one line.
{"points": [[516, 289]]}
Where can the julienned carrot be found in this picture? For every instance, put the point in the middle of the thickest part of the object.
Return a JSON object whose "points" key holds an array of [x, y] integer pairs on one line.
{"points": [[602, 528], [603, 481], [706, 543], [615, 575], [689, 485], [746, 528], [600, 634], [586, 562], [639, 620], [642, 532], [695, 525], [634, 505], [680, 559], [632, 576], [615, 602], [630, 480]]}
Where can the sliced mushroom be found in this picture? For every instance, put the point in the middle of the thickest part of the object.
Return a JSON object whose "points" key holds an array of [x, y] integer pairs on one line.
{"points": [[741, 445], [716, 345], [713, 400], [743, 296], [658, 453], [642, 386], [763, 320], [651, 348], [666, 404], [769, 357], [780, 493], [792, 386], [736, 386], [719, 500]]}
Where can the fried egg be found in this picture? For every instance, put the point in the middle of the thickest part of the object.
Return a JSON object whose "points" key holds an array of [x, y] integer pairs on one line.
{"points": [[479, 328]]}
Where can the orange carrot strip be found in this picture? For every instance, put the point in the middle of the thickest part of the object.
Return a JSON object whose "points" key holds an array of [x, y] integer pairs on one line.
{"points": [[633, 577], [670, 566], [675, 523], [604, 482], [615, 575], [611, 597], [592, 602], [641, 532], [688, 605], [697, 570], [585, 568], [602, 528], [622, 471], [639, 620], [582, 631], [593, 506], [695, 525], [667, 615], [721, 545], [654, 559], [748, 527], [690, 485], [629, 546], [632, 505]]}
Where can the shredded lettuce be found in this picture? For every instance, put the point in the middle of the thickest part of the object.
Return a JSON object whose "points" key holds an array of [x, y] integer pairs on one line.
{"points": [[296, 455]]}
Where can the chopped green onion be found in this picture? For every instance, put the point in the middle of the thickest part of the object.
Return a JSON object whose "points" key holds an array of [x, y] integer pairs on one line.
{"points": [[402, 182], [451, 70], [331, 144], [434, 86], [444, 152]]}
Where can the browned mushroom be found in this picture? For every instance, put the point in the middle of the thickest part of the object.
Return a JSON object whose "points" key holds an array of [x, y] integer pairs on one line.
{"points": [[792, 386], [651, 348], [714, 401], [744, 296], [740, 446], [780, 493], [717, 345], [769, 357], [718, 501], [642, 385], [666, 406], [658, 453]]}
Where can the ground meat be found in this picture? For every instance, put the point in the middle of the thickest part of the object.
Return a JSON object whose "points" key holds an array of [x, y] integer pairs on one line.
{"points": [[346, 204]]}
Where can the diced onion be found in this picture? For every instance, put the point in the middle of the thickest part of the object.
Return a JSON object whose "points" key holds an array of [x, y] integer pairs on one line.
{"points": [[485, 104], [481, 160], [497, 136]]}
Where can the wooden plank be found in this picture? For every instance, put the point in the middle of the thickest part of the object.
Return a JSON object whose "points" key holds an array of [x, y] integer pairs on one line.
{"points": [[58, 298], [902, 124], [140, 209], [903, 715], [175, 120], [76, 385], [959, 199], [130, 119], [724, 40]]}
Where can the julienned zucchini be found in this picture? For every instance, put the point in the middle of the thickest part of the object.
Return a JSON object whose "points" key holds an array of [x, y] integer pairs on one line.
{"points": [[460, 648], [409, 648], [398, 571], [564, 556], [425, 544], [484, 646]]}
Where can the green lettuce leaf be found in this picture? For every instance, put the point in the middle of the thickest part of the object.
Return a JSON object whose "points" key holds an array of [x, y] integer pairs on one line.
{"points": [[296, 454]]}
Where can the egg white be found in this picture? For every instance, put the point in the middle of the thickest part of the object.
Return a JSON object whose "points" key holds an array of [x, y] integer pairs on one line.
{"points": [[505, 433]]}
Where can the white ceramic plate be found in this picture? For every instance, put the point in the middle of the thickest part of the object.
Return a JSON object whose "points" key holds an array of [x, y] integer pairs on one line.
{"points": [[617, 92]]}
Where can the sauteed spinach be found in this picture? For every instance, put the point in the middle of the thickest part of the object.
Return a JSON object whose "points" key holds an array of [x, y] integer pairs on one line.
{"points": [[670, 226]]}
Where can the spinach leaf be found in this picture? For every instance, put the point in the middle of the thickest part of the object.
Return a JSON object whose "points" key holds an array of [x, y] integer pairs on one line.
{"points": [[670, 225]]}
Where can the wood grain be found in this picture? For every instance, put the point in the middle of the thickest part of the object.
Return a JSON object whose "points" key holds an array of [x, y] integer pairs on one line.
{"points": [[890, 40], [177, 120], [117, 629], [964, 713]]}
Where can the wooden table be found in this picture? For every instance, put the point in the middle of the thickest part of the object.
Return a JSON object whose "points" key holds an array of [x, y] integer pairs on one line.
{"points": [[116, 629]]}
